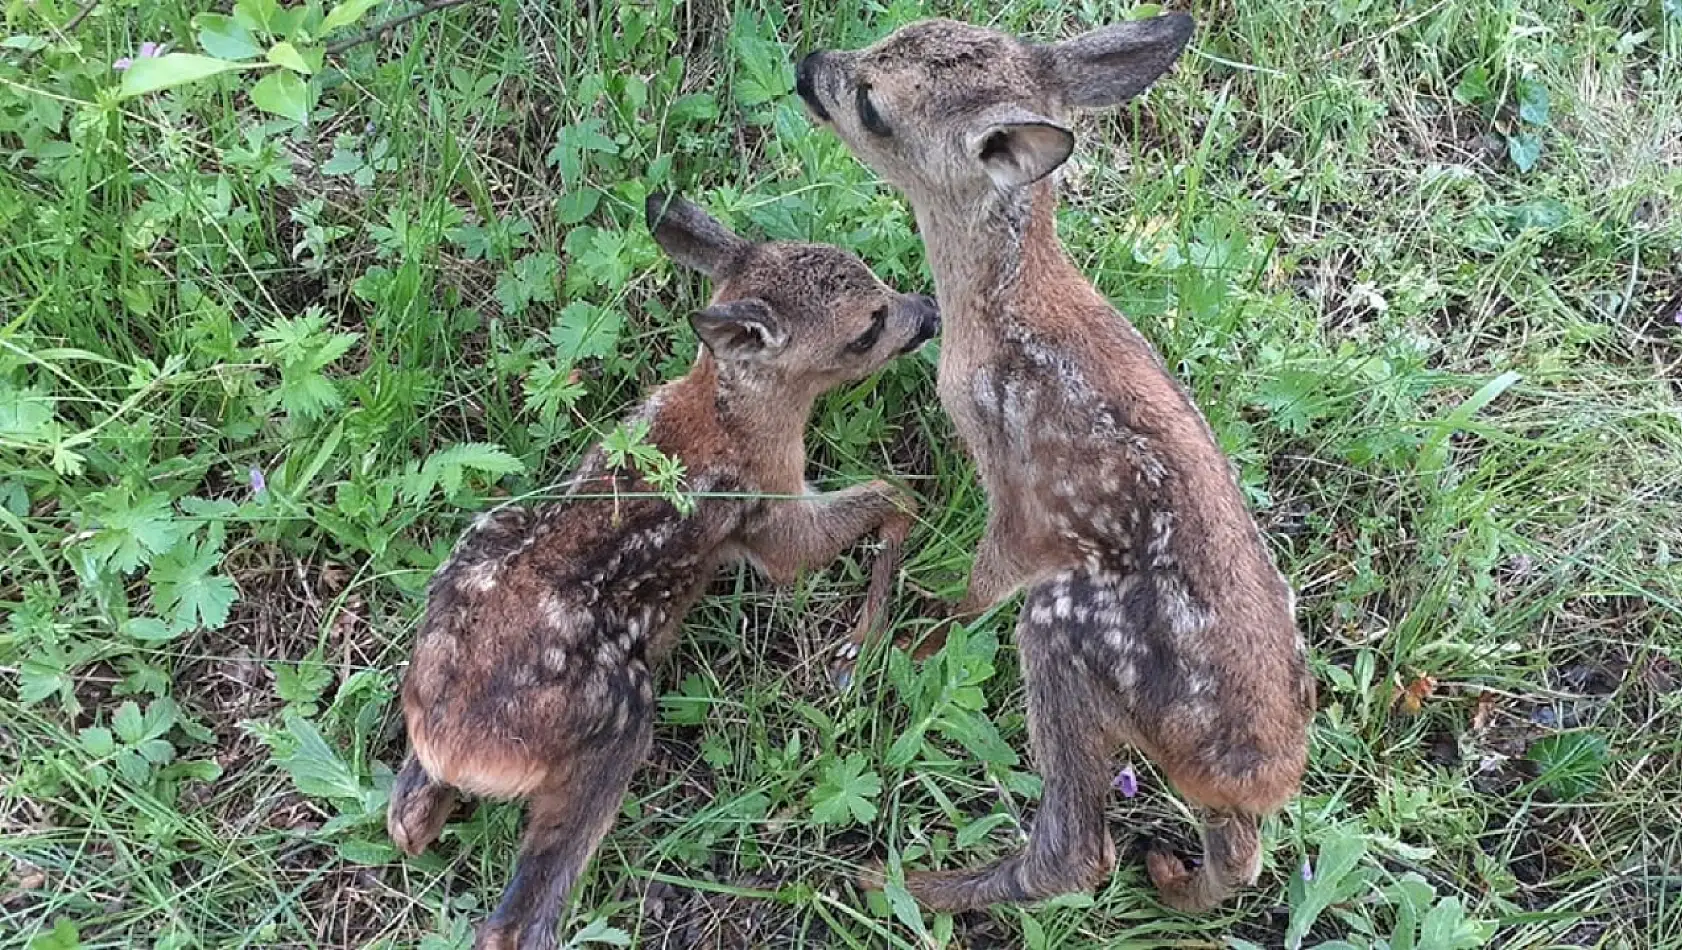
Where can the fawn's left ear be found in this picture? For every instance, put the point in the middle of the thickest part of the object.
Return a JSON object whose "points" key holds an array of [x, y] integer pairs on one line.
{"points": [[745, 330], [690, 236], [1112, 64], [1017, 147]]}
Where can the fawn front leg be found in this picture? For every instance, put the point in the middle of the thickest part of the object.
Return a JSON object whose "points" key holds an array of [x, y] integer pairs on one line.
{"points": [[798, 535], [994, 576]]}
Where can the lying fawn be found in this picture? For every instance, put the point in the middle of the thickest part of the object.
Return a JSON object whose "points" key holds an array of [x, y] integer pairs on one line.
{"points": [[1154, 615], [533, 672]]}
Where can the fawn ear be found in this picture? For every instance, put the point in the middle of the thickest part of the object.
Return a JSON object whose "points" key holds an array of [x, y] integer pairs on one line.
{"points": [[1018, 147], [1112, 64], [690, 236], [743, 330]]}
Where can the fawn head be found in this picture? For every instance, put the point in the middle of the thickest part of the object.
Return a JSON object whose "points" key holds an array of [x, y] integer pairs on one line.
{"points": [[807, 314], [946, 108]]}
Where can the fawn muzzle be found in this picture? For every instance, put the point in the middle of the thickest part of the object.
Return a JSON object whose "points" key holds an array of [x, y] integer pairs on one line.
{"points": [[806, 89], [928, 322]]}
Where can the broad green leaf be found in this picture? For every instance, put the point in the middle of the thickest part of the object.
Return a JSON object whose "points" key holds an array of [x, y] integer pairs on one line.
{"points": [[848, 788], [1334, 880], [1524, 149], [586, 331], [184, 589], [150, 630], [130, 725], [577, 204], [346, 14], [284, 94], [169, 71], [98, 741], [315, 768], [285, 54], [1533, 102], [223, 37], [63, 936], [368, 852]]}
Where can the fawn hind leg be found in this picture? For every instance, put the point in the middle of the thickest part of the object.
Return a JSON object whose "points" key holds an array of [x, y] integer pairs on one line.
{"points": [[1231, 859], [568, 817], [1073, 718], [420, 805]]}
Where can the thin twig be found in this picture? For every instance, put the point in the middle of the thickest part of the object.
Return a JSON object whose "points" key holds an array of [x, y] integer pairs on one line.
{"points": [[334, 49], [62, 31]]}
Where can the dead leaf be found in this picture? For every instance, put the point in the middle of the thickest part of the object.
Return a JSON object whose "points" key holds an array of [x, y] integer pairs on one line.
{"points": [[1483, 711], [1411, 698]]}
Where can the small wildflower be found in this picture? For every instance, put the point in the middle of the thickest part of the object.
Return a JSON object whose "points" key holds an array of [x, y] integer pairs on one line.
{"points": [[1126, 782], [146, 51], [259, 484], [1307, 870]]}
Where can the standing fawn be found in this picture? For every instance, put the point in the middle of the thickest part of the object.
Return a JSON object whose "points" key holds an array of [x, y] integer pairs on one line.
{"points": [[1154, 615], [533, 672]]}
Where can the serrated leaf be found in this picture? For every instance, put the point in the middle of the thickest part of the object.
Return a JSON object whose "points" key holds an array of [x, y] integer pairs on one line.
{"points": [[284, 94], [848, 788], [346, 14], [285, 54], [133, 767], [225, 38], [184, 589], [130, 725], [576, 205], [586, 331], [155, 74], [315, 768], [156, 751], [130, 534], [600, 932], [98, 741]]}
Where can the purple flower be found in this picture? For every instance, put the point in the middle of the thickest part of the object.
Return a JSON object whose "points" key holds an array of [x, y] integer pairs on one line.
{"points": [[1307, 870], [1126, 782], [147, 51], [259, 484]]}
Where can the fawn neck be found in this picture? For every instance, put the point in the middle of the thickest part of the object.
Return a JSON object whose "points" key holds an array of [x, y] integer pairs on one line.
{"points": [[758, 413], [983, 253]]}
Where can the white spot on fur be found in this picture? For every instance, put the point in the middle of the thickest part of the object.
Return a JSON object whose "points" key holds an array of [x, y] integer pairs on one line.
{"points": [[480, 578], [554, 610]]}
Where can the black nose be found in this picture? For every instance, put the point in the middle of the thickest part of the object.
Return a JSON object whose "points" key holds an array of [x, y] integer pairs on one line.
{"points": [[804, 88], [928, 321]]}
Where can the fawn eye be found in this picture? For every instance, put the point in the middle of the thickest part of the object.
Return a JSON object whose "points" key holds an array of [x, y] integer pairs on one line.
{"points": [[868, 115], [868, 338]]}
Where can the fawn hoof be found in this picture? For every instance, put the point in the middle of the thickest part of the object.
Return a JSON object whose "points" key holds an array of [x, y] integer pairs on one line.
{"points": [[842, 661], [418, 811], [1167, 871], [516, 937]]}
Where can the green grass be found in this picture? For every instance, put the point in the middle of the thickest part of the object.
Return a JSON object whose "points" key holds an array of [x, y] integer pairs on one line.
{"points": [[1421, 265]]}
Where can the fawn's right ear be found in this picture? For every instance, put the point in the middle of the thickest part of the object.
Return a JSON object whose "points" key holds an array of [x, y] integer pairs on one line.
{"points": [[689, 235]]}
